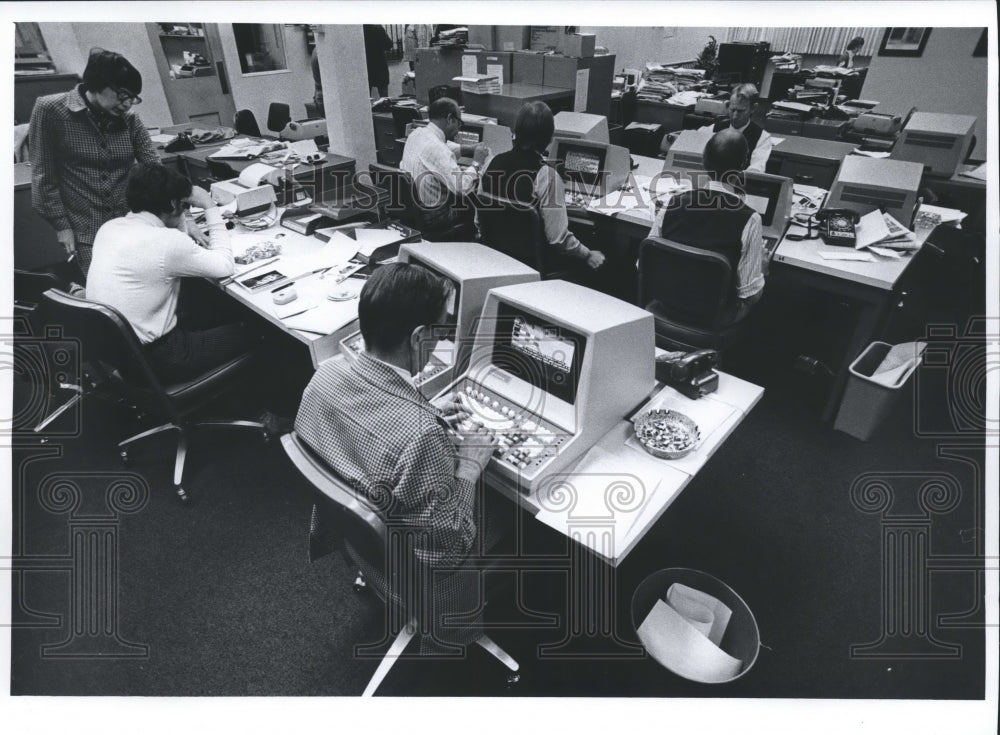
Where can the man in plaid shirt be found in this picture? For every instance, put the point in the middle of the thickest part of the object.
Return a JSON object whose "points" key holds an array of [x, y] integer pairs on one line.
{"points": [[369, 422], [83, 144]]}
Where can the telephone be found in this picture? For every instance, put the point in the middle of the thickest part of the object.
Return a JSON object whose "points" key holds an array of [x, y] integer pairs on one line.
{"points": [[690, 373], [836, 226]]}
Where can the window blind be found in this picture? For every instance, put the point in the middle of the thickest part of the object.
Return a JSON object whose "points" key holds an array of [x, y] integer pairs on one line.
{"points": [[830, 41]]}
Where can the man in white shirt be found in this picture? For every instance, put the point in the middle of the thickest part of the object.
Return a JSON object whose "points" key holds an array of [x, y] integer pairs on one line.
{"points": [[140, 259], [430, 158], [741, 106]]}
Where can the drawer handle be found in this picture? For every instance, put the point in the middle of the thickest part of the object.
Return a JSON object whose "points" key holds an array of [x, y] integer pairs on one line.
{"points": [[803, 178]]}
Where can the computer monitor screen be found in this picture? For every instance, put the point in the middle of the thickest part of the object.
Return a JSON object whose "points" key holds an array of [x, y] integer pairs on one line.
{"points": [[763, 196], [469, 135], [581, 163], [451, 307], [736, 59], [544, 355]]}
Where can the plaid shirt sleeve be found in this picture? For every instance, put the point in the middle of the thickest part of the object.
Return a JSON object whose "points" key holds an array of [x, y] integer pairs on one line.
{"points": [[45, 196], [434, 499], [143, 144]]}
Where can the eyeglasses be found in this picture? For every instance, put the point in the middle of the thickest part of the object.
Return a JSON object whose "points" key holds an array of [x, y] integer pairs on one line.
{"points": [[125, 96]]}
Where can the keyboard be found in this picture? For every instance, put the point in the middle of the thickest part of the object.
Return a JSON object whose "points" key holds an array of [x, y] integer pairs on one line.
{"points": [[770, 245]]}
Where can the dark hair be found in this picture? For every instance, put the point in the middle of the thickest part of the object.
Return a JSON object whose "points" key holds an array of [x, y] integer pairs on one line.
{"points": [[398, 298], [154, 188], [725, 153], [442, 107], [533, 127], [855, 43], [108, 69]]}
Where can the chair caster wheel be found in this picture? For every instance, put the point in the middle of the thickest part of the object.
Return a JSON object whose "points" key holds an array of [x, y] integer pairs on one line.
{"points": [[266, 436], [126, 461], [181, 495], [513, 678], [360, 585], [43, 440]]}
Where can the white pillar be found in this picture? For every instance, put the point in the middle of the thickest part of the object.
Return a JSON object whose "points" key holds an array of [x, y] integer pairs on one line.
{"points": [[347, 107]]}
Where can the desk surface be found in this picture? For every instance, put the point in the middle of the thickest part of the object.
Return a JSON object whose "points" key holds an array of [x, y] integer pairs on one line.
{"points": [[528, 92], [300, 255], [611, 529]]}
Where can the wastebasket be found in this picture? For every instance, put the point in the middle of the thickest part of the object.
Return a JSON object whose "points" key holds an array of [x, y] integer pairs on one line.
{"points": [[742, 636], [867, 402]]}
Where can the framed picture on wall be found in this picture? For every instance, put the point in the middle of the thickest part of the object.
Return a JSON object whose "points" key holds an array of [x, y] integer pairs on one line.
{"points": [[904, 41]]}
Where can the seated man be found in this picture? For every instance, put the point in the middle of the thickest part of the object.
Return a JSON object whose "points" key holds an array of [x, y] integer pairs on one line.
{"points": [[741, 106], [430, 158], [522, 175], [140, 259], [368, 421], [716, 218]]}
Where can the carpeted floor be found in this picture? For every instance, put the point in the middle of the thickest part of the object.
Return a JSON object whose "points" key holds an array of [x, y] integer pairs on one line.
{"points": [[223, 600]]}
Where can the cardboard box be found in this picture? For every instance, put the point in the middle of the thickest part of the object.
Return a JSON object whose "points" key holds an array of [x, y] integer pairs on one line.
{"points": [[559, 71], [510, 38], [545, 38], [527, 67], [579, 45], [434, 67]]}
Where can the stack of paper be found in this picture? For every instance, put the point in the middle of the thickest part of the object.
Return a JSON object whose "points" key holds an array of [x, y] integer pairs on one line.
{"points": [[479, 83], [882, 229], [979, 172]]}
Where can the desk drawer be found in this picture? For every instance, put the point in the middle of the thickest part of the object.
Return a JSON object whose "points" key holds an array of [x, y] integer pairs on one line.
{"points": [[813, 173]]}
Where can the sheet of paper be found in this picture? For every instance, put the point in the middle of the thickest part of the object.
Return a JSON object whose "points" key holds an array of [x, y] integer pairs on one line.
{"points": [[340, 242], [582, 88], [618, 202], [302, 303], [326, 318], [884, 252], [302, 147], [469, 65], [775, 140], [258, 173], [672, 641], [871, 228], [680, 595], [846, 255], [979, 172], [369, 239], [495, 70]]}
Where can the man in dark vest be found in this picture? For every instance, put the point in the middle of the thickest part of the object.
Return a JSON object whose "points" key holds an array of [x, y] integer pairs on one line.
{"points": [[522, 174], [741, 106], [714, 217]]}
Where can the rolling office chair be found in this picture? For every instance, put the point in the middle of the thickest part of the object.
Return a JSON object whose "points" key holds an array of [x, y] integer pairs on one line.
{"points": [[220, 170], [400, 188], [29, 305], [246, 124], [516, 229], [112, 349], [279, 115], [382, 557], [687, 290]]}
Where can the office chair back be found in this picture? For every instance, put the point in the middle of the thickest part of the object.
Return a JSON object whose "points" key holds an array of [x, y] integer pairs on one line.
{"points": [[279, 115], [28, 289], [688, 291], [245, 123], [220, 170], [110, 346], [444, 90], [403, 115], [400, 187], [515, 229]]}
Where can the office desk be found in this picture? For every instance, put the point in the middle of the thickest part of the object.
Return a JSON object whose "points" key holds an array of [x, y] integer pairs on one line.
{"points": [[611, 527], [505, 106], [808, 160], [300, 254]]}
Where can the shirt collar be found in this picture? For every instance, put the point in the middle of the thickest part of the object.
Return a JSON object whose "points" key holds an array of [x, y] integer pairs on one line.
{"points": [[408, 379], [718, 186], [145, 217], [74, 99], [436, 132]]}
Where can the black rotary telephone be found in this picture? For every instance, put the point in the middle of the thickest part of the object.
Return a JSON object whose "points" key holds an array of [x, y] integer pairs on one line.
{"points": [[836, 226], [689, 373]]}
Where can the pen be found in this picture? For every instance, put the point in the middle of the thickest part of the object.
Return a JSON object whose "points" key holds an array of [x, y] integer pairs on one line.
{"points": [[283, 286]]}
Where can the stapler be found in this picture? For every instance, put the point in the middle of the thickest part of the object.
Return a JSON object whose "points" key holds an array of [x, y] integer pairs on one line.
{"points": [[690, 374]]}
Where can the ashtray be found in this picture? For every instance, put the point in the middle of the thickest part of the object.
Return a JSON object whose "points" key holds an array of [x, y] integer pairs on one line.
{"points": [[342, 294], [667, 434]]}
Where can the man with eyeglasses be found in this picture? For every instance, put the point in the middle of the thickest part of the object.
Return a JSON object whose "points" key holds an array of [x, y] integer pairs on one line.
{"points": [[83, 143]]}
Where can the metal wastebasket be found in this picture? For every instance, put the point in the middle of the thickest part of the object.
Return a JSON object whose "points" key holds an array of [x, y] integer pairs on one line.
{"points": [[867, 402]]}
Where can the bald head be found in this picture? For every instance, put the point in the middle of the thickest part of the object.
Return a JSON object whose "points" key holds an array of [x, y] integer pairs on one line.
{"points": [[725, 152]]}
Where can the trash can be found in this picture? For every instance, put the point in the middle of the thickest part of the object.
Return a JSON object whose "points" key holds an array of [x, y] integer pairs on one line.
{"points": [[867, 402], [740, 639]]}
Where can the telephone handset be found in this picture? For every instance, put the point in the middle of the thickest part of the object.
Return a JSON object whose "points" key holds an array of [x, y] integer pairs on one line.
{"points": [[690, 373], [836, 226]]}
